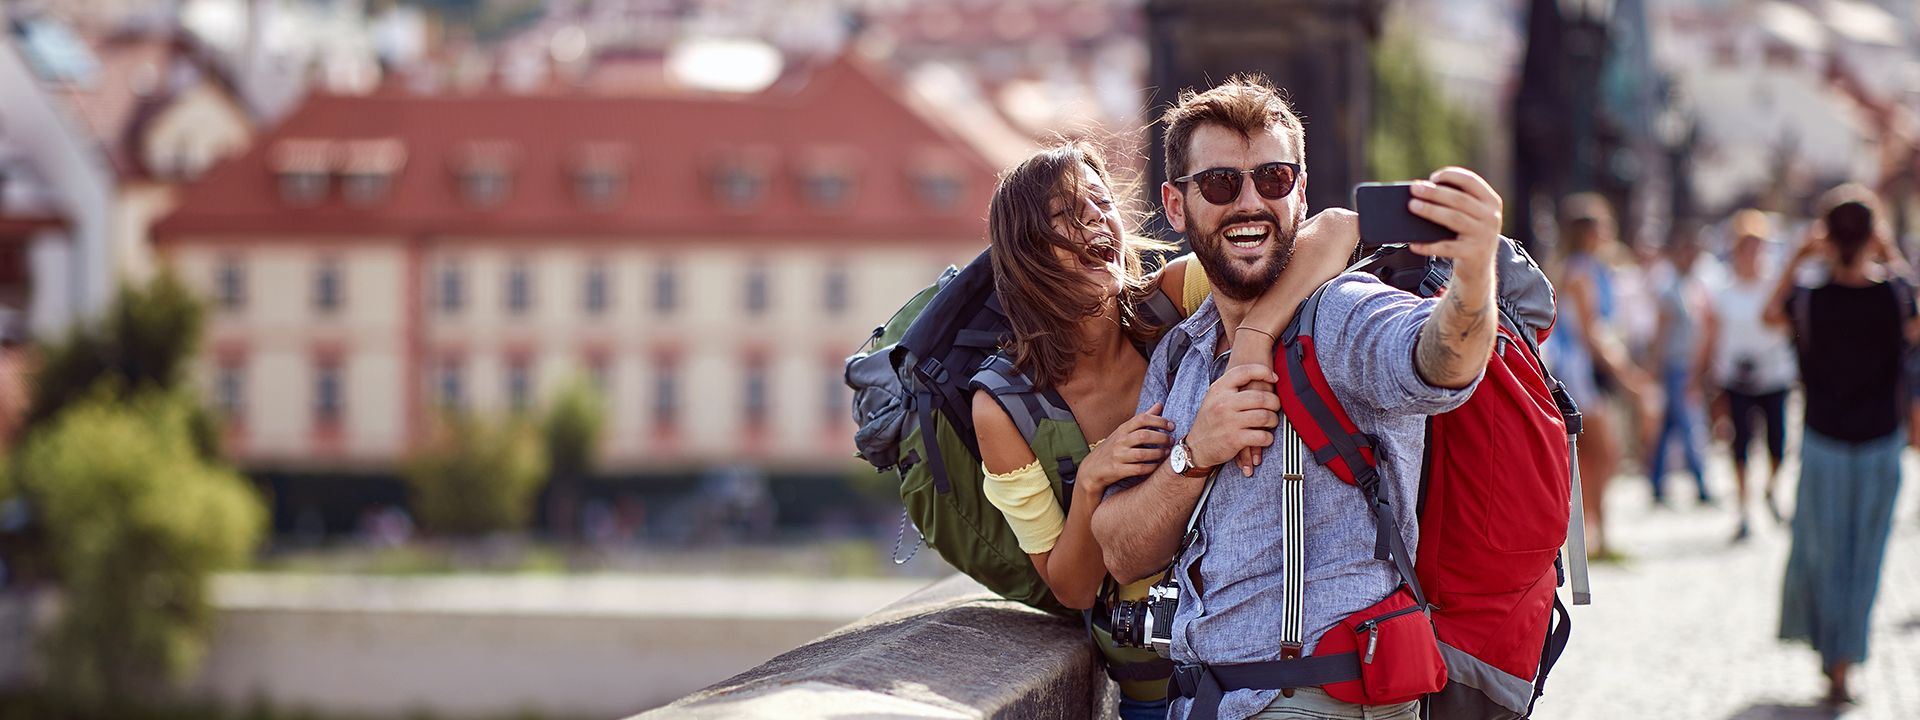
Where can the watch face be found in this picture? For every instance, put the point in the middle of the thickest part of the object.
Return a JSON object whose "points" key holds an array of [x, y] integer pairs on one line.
{"points": [[1179, 460]]}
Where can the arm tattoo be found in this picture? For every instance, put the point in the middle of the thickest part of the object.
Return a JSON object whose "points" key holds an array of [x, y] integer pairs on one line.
{"points": [[1454, 342]]}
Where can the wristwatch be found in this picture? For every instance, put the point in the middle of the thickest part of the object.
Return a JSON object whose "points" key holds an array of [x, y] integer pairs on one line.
{"points": [[1181, 461]]}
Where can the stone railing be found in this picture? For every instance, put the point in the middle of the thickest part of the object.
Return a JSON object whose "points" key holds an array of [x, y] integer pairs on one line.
{"points": [[952, 650]]}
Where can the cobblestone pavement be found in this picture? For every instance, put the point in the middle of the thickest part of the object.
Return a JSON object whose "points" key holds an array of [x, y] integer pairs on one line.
{"points": [[1685, 627]]}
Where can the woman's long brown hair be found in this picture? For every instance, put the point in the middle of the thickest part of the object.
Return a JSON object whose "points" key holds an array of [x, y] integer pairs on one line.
{"points": [[1046, 300]]}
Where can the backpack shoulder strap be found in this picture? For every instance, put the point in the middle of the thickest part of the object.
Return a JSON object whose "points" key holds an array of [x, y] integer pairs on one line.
{"points": [[1331, 436], [1028, 405], [1019, 396]]}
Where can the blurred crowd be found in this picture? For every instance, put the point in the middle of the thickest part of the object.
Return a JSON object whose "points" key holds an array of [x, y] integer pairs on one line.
{"points": [[1729, 332]]}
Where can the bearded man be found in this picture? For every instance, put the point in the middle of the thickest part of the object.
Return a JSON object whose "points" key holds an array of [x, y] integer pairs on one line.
{"points": [[1236, 154]]}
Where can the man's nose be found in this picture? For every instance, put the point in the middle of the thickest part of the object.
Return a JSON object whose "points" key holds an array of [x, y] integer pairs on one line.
{"points": [[1248, 199]]}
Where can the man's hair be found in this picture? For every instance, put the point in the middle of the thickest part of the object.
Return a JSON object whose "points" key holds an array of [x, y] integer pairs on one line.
{"points": [[1246, 103], [1037, 289], [1850, 219]]}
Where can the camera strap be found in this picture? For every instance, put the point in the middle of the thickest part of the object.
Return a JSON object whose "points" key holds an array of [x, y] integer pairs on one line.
{"points": [[1193, 521]]}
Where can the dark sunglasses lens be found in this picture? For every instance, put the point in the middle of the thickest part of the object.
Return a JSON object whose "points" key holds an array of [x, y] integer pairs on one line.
{"points": [[1219, 186], [1273, 180]]}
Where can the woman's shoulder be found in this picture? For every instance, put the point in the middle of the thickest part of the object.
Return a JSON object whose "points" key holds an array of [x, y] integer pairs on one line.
{"points": [[1002, 448]]}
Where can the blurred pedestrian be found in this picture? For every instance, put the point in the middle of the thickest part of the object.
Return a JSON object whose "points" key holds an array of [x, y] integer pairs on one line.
{"points": [[1586, 351], [1682, 360], [1753, 364], [1850, 333]]}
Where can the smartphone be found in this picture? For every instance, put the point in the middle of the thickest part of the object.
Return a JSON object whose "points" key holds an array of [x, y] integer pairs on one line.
{"points": [[1385, 219]]}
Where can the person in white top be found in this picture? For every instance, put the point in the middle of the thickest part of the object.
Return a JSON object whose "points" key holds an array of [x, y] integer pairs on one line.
{"points": [[1753, 362]]}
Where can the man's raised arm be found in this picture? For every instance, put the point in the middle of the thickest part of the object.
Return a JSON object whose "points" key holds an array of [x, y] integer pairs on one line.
{"points": [[1457, 339]]}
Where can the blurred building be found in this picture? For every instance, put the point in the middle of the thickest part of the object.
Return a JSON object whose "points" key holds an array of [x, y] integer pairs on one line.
{"points": [[1791, 96], [708, 259], [98, 132]]}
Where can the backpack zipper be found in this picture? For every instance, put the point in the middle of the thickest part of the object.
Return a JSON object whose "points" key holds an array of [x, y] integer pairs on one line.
{"points": [[1372, 629]]}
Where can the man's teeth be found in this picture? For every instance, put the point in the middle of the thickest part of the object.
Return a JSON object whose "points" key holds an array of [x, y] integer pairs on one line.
{"points": [[1246, 237]]}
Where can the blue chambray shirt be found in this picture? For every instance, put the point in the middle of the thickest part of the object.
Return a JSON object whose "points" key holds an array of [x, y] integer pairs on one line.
{"points": [[1364, 337]]}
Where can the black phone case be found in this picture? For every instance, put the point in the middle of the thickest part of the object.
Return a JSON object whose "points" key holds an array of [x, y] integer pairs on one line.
{"points": [[1385, 219]]}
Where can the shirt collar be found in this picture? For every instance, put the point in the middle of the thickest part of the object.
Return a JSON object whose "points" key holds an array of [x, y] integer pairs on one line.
{"points": [[1203, 325]]}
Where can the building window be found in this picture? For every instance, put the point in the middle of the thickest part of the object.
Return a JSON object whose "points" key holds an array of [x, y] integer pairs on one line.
{"points": [[449, 288], [230, 391], [756, 289], [328, 400], [304, 167], [596, 288], [486, 173], [666, 289], [327, 287], [600, 174], [452, 385], [519, 288], [519, 386], [367, 168], [364, 188], [303, 189], [739, 187], [940, 191], [836, 290], [666, 395], [828, 190], [754, 392], [230, 284], [485, 188]]}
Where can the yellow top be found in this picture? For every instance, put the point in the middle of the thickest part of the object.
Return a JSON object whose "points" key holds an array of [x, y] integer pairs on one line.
{"points": [[1194, 287], [1025, 496]]}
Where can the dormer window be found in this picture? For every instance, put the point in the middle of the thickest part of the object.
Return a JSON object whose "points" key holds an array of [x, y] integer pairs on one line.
{"points": [[936, 177], [367, 168], [740, 179], [600, 174], [304, 167], [485, 172], [826, 178]]}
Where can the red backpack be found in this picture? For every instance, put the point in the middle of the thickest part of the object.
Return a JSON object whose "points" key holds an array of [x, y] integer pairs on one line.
{"points": [[1497, 493]]}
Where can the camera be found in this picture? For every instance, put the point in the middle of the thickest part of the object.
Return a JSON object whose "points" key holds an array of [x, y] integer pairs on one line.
{"points": [[1148, 622]]}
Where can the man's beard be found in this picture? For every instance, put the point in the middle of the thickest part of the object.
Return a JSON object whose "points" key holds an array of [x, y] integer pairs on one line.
{"points": [[1233, 277]]}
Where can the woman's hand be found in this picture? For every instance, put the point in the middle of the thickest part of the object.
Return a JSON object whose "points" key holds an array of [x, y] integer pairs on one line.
{"points": [[1251, 347], [1134, 449]]}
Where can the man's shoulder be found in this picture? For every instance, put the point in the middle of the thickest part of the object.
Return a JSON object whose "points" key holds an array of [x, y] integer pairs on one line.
{"points": [[1341, 295]]}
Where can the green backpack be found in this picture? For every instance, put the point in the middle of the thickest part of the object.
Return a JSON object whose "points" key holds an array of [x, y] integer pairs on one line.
{"points": [[913, 408], [917, 383]]}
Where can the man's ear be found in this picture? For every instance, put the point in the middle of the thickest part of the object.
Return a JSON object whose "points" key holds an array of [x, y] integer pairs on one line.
{"points": [[1175, 205]]}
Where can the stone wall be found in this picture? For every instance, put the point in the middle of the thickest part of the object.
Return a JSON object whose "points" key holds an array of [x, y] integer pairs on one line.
{"points": [[952, 650]]}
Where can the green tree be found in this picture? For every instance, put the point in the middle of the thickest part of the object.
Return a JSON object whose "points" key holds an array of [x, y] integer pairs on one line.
{"points": [[137, 520], [572, 428], [1415, 129], [144, 343], [477, 476]]}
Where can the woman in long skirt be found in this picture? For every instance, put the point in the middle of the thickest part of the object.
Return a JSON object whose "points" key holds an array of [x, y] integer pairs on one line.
{"points": [[1850, 334]]}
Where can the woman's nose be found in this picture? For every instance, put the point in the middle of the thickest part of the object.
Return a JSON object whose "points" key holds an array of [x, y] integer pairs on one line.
{"points": [[1090, 212]]}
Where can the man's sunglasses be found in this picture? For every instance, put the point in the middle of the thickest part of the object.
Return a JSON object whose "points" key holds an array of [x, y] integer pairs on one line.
{"points": [[1220, 186]]}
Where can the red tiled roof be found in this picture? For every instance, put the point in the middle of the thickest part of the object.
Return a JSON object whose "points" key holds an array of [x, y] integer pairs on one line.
{"points": [[672, 149]]}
